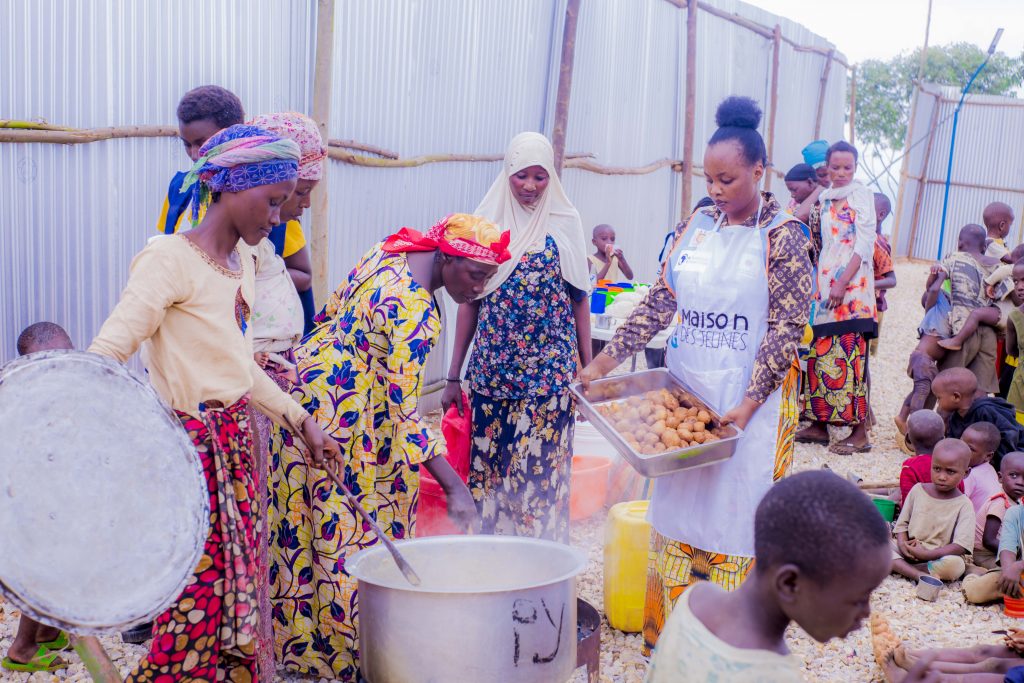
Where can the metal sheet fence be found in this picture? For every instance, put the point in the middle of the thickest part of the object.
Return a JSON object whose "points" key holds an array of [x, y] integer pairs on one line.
{"points": [[413, 76], [988, 166]]}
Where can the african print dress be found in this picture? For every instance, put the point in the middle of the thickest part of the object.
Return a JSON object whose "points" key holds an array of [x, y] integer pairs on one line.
{"points": [[523, 360], [359, 376], [837, 389]]}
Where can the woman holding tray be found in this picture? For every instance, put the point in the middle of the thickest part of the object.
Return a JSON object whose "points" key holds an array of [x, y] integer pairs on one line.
{"points": [[747, 261]]}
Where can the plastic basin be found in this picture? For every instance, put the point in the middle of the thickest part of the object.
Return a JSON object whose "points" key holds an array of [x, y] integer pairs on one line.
{"points": [[588, 485], [1013, 607], [886, 507]]}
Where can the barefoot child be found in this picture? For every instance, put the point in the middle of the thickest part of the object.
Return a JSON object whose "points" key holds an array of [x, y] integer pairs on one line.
{"points": [[189, 299], [966, 270], [956, 393], [607, 262], [824, 587], [981, 586], [923, 364], [924, 429], [35, 645], [935, 529]]}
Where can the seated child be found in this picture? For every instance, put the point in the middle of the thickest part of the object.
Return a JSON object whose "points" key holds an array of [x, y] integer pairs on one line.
{"points": [[607, 262], [935, 528], [997, 217], [982, 481], [966, 270], [885, 273], [35, 645], [924, 429], [981, 586], [824, 586], [955, 393], [1015, 342]]}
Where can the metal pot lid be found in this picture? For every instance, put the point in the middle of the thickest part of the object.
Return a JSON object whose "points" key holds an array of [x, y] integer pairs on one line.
{"points": [[103, 503]]}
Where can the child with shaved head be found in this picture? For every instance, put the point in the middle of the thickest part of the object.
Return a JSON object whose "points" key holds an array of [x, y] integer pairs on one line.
{"points": [[998, 217], [956, 393], [925, 428], [935, 528], [824, 586], [966, 270]]}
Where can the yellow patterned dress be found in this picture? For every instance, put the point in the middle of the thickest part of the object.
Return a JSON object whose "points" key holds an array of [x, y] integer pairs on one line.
{"points": [[359, 376]]}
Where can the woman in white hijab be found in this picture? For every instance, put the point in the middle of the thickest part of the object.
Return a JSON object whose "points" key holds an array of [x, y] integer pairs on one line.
{"points": [[531, 330]]}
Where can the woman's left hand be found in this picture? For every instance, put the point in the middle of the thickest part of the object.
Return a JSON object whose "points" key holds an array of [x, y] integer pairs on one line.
{"points": [[462, 510], [836, 294], [741, 414]]}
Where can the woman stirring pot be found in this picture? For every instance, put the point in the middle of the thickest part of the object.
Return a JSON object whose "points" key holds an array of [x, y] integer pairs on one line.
{"points": [[748, 259]]}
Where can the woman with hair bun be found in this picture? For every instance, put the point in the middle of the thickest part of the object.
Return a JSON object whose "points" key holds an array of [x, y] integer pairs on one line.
{"points": [[750, 262]]}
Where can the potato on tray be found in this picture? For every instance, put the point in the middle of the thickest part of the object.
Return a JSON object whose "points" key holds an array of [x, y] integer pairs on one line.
{"points": [[661, 420]]}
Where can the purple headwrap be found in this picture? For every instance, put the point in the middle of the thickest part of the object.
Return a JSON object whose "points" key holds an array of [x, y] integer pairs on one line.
{"points": [[239, 158]]}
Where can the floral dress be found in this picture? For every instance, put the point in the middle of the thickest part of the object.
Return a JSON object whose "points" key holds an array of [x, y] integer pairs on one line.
{"points": [[359, 376], [524, 358], [837, 389]]}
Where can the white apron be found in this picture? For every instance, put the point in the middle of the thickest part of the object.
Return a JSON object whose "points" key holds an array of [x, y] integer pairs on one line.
{"points": [[719, 276]]}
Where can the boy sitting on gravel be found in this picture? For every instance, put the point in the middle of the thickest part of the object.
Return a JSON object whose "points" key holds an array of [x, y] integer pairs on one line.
{"points": [[956, 392], [924, 429], [935, 528], [999, 532], [982, 480], [824, 586]]}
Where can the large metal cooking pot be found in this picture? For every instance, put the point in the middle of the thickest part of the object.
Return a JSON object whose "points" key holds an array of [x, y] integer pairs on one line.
{"points": [[490, 608]]}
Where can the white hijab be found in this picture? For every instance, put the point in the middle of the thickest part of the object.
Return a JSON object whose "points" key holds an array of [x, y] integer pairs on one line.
{"points": [[552, 215]]}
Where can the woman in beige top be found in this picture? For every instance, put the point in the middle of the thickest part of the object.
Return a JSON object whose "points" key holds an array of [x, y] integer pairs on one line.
{"points": [[188, 304]]}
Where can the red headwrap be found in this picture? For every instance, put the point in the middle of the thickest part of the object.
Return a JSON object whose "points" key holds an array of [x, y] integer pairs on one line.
{"points": [[408, 239]]}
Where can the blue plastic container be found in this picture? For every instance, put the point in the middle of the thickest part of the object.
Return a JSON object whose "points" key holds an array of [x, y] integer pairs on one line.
{"points": [[597, 301]]}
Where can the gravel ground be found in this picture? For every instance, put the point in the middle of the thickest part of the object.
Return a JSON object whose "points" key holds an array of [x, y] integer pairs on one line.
{"points": [[948, 622]]}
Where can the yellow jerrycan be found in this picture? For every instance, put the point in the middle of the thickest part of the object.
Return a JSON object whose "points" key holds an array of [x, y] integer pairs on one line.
{"points": [[627, 537]]}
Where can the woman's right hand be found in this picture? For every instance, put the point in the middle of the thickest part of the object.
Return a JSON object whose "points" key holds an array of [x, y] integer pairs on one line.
{"points": [[452, 395]]}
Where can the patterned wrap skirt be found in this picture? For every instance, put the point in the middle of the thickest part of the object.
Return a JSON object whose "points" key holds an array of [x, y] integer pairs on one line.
{"points": [[520, 468], [209, 633], [837, 389], [673, 566]]}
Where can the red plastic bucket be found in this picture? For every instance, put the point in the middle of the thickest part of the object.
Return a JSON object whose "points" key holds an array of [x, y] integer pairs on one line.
{"points": [[432, 512], [1013, 607]]}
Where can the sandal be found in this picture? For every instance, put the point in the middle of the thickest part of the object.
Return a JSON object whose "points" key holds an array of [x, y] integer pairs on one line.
{"points": [[58, 644], [844, 448], [44, 660]]}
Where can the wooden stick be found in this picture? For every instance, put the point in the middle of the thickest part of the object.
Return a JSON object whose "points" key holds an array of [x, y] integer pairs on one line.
{"points": [[821, 97], [690, 111], [932, 127], [898, 223], [572, 11], [96, 660], [878, 485], [322, 72], [72, 136], [774, 101], [362, 147], [593, 167]]}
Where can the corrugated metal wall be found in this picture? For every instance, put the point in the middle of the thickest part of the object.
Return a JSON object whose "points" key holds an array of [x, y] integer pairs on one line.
{"points": [[989, 152], [413, 76]]}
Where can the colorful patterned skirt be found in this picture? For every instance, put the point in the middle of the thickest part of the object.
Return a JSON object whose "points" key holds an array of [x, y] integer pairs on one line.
{"points": [[209, 633], [837, 387], [674, 566], [313, 531], [520, 467]]}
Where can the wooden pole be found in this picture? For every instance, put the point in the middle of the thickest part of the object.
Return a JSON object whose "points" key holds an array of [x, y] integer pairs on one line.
{"points": [[96, 660], [921, 185], [924, 50], [572, 12], [690, 111], [853, 106], [774, 102], [894, 238], [821, 94], [323, 66]]}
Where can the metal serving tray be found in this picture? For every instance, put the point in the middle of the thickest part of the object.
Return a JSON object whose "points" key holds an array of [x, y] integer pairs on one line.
{"points": [[619, 387]]}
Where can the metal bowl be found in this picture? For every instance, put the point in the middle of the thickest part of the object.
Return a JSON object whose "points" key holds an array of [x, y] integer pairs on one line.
{"points": [[611, 389]]}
